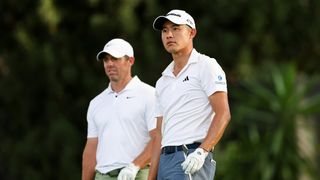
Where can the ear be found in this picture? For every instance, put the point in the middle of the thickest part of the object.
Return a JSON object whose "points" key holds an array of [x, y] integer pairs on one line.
{"points": [[131, 60], [193, 33]]}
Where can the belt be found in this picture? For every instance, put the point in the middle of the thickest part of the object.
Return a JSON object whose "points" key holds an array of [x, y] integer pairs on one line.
{"points": [[173, 149], [113, 173]]}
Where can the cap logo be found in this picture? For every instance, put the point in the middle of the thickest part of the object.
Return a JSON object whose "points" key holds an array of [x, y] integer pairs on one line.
{"points": [[189, 21], [173, 14]]}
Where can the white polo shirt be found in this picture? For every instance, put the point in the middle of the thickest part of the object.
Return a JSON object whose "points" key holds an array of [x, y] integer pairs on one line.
{"points": [[122, 122], [183, 101]]}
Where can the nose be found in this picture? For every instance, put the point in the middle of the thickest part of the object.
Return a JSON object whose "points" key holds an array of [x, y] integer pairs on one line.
{"points": [[170, 34]]}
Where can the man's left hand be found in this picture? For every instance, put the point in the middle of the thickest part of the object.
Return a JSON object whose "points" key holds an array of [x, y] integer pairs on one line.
{"points": [[194, 161], [129, 172]]}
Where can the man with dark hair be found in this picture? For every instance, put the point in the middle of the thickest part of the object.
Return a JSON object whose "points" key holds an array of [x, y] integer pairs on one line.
{"points": [[192, 107]]}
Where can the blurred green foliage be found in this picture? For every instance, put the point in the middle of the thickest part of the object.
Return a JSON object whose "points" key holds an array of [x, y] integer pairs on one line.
{"points": [[264, 143], [48, 75]]}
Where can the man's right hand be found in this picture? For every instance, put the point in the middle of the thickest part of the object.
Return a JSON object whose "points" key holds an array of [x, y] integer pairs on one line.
{"points": [[129, 172]]}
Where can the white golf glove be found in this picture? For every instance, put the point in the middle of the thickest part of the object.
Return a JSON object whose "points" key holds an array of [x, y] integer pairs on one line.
{"points": [[129, 172], [194, 161]]}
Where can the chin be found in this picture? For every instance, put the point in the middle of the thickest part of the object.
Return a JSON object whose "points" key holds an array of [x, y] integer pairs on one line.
{"points": [[171, 50], [113, 78]]}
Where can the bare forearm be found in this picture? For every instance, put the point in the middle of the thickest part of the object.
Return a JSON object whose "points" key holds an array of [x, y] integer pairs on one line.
{"points": [[220, 105], [156, 150], [144, 158], [216, 130], [89, 159], [88, 166], [88, 172]]}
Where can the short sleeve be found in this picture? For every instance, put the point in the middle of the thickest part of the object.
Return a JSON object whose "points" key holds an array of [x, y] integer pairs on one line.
{"points": [[158, 110], [92, 128], [151, 120], [212, 77]]}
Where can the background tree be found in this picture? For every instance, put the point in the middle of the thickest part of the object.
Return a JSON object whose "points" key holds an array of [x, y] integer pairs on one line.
{"points": [[268, 107]]}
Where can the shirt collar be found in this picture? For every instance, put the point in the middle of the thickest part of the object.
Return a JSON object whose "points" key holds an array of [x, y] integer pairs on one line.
{"points": [[131, 85], [192, 59]]}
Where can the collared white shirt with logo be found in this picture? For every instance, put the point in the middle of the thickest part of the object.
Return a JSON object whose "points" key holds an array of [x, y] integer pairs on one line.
{"points": [[122, 122], [183, 102]]}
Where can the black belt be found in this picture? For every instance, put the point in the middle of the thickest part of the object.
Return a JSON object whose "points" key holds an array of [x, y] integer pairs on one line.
{"points": [[113, 173], [173, 149]]}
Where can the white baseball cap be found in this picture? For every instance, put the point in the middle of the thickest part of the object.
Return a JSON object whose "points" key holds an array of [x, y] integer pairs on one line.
{"points": [[176, 16], [116, 48]]}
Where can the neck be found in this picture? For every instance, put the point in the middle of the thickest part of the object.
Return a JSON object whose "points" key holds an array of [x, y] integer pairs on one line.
{"points": [[180, 60], [118, 86]]}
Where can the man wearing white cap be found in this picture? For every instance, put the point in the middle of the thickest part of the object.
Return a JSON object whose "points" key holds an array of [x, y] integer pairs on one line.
{"points": [[120, 120], [191, 105]]}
